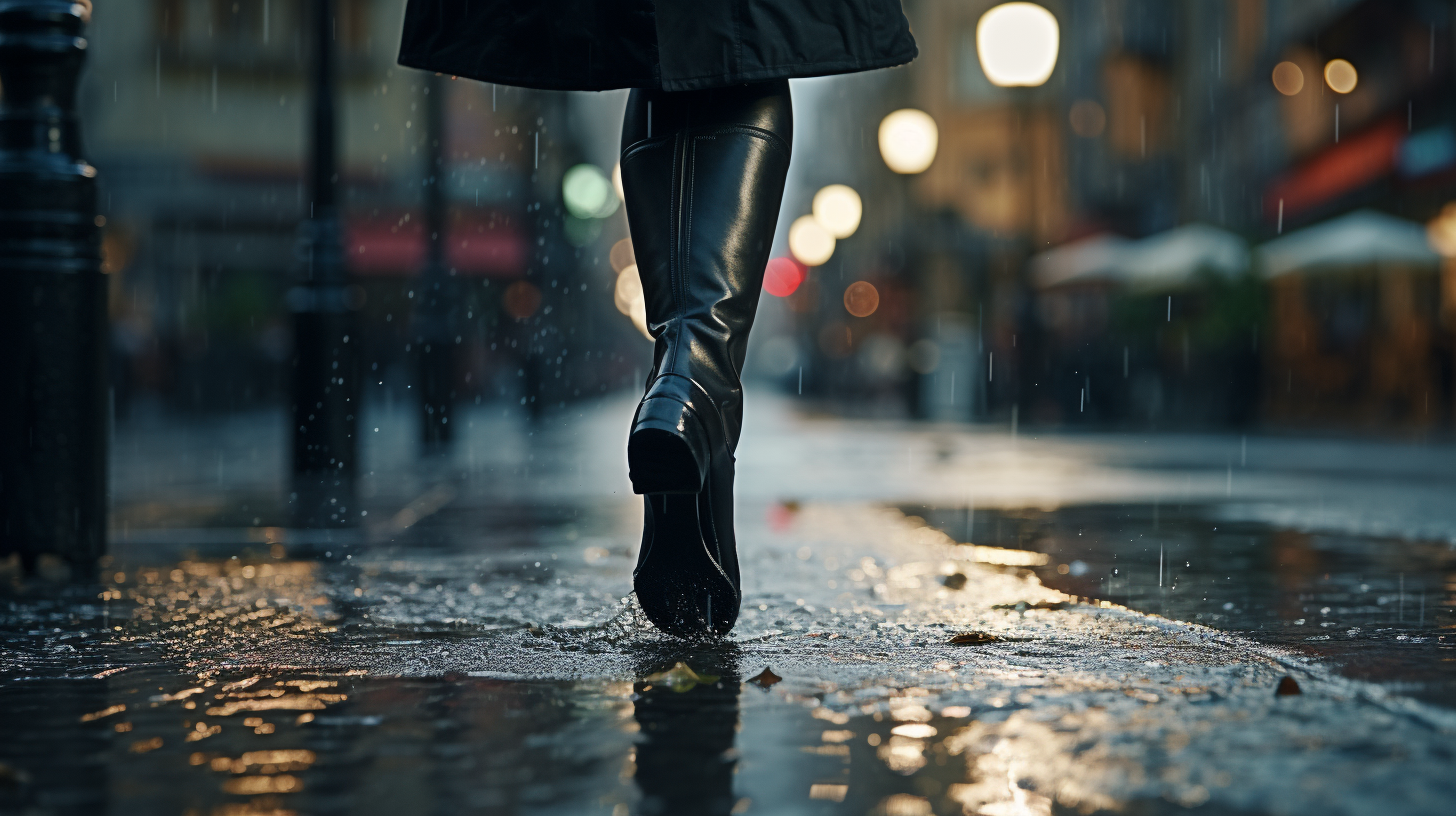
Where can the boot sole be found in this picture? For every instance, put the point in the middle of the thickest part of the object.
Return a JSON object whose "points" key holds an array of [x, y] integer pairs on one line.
{"points": [[681, 589]]}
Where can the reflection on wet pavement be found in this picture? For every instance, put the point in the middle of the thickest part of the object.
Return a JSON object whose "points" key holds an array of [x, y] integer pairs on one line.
{"points": [[1379, 608], [391, 681], [483, 659]]}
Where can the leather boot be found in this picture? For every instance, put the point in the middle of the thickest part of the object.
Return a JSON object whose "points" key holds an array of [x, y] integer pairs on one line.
{"points": [[704, 174]]}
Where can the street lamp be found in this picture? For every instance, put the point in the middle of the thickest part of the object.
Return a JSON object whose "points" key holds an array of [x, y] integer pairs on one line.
{"points": [[838, 208], [908, 141], [53, 414], [325, 342], [1017, 44], [1341, 76]]}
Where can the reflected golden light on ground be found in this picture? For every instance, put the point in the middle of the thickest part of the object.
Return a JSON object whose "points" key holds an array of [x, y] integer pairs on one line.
{"points": [[1017, 44], [914, 730], [1341, 76], [253, 785], [902, 755], [838, 209], [908, 141], [1288, 79], [809, 241]]}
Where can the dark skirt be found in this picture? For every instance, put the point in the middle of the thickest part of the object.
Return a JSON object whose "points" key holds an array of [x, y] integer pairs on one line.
{"points": [[670, 45]]}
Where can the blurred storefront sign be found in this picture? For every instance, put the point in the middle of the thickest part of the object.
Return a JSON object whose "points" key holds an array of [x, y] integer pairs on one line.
{"points": [[478, 245]]}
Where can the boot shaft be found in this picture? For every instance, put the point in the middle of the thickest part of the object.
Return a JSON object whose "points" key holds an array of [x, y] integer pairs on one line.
{"points": [[704, 174]]}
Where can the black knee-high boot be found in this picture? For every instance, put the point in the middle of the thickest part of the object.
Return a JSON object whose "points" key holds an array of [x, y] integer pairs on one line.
{"points": [[704, 174]]}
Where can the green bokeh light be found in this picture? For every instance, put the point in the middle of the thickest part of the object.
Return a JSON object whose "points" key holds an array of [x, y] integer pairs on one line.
{"points": [[588, 192]]}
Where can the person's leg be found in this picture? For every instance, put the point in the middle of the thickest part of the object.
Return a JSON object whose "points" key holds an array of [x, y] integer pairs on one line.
{"points": [[703, 173]]}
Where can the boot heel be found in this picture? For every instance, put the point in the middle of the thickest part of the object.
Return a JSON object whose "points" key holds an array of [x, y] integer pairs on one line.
{"points": [[668, 451]]}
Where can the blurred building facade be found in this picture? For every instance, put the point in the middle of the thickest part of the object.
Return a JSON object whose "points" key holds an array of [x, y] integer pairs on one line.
{"points": [[195, 112], [1095, 250]]}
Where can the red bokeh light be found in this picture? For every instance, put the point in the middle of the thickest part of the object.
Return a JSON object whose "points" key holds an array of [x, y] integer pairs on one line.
{"points": [[783, 276]]}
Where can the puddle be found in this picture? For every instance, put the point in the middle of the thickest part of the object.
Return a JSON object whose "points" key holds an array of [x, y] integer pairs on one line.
{"points": [[1380, 609], [285, 742]]}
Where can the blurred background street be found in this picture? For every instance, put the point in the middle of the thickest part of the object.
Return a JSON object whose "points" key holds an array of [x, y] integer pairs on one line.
{"points": [[1098, 453]]}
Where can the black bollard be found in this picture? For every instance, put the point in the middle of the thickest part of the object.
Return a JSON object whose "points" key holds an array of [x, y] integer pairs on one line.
{"points": [[325, 340], [434, 338], [53, 397]]}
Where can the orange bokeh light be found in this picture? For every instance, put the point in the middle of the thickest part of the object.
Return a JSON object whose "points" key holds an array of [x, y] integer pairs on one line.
{"points": [[861, 299], [521, 300]]}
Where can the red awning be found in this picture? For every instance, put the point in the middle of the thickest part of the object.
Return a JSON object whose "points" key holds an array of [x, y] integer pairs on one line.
{"points": [[486, 245], [1343, 168]]}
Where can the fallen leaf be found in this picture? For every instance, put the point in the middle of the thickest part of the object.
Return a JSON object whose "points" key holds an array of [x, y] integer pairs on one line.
{"points": [[765, 678], [1287, 687], [973, 638], [680, 678]]}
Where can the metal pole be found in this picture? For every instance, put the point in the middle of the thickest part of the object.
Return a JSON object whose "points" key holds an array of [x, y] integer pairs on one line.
{"points": [[434, 339], [53, 397], [325, 342]]}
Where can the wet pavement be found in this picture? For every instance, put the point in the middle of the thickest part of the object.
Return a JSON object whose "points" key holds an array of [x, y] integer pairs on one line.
{"points": [[936, 620]]}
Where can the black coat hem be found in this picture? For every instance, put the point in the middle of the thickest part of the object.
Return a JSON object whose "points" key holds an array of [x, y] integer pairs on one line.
{"points": [[804, 70], [428, 62]]}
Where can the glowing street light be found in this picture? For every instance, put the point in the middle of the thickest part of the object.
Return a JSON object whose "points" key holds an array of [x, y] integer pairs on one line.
{"points": [[1341, 76], [1288, 79], [810, 243], [838, 208], [1017, 44], [908, 139]]}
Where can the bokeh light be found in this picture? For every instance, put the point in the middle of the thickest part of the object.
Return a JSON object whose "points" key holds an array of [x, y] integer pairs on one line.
{"points": [[838, 209], [1288, 79], [588, 192], [617, 181], [810, 242], [908, 140], [1441, 232], [924, 356], [1087, 118], [861, 299], [629, 298], [1017, 44], [1341, 76], [622, 255], [782, 276], [521, 299]]}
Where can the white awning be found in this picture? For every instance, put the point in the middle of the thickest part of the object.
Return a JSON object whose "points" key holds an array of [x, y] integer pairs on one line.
{"points": [[1166, 259], [1362, 238], [1091, 258], [1177, 255]]}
